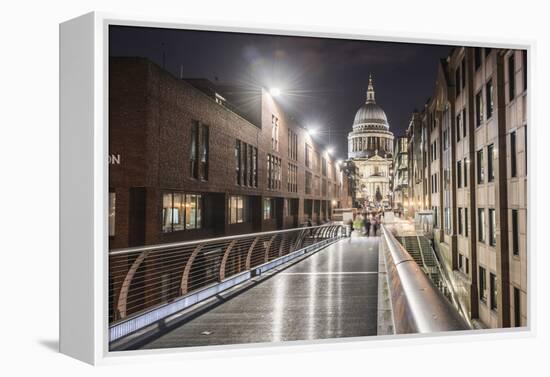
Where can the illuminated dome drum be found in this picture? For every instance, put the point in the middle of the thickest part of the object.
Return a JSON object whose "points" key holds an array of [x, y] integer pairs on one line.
{"points": [[371, 135]]}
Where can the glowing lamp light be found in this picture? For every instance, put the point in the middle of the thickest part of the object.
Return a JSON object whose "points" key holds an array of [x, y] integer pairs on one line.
{"points": [[311, 131], [275, 92], [330, 150]]}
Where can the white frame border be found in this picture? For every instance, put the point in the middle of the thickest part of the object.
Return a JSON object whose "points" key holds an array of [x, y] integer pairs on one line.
{"points": [[99, 174]]}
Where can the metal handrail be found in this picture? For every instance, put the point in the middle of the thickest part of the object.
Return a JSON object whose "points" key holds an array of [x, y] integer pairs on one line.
{"points": [[418, 306], [146, 277], [450, 287], [138, 249]]}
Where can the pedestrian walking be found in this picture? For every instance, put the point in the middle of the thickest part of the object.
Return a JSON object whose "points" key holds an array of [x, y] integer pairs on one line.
{"points": [[367, 226], [374, 226]]}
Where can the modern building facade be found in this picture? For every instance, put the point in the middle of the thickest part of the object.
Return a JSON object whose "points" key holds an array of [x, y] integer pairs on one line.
{"points": [[186, 164], [370, 147], [468, 164], [400, 173]]}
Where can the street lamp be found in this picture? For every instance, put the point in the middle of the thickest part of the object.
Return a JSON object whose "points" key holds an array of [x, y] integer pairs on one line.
{"points": [[275, 92], [311, 131], [330, 150]]}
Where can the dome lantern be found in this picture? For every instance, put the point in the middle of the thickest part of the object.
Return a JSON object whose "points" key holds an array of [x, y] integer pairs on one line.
{"points": [[370, 91]]}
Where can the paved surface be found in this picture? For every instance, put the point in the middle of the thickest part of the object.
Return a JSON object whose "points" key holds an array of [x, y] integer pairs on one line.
{"points": [[331, 294]]}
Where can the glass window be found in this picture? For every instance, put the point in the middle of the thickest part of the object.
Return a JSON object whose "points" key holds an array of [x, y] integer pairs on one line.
{"points": [[245, 163], [194, 151], [480, 168], [511, 77], [466, 222], [204, 152], [464, 125], [489, 98], [515, 232], [479, 108], [308, 155], [167, 212], [112, 213], [190, 211], [481, 225], [459, 221], [492, 227], [308, 183], [238, 209], [275, 133], [268, 208], [238, 162], [490, 163], [513, 157], [482, 284], [178, 209], [255, 167], [458, 127], [465, 172], [459, 174], [493, 289], [181, 211]]}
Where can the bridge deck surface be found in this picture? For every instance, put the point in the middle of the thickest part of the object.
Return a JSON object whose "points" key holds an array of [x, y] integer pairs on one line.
{"points": [[331, 294]]}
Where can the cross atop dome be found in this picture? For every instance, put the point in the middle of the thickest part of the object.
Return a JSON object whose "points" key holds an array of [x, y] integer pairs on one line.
{"points": [[370, 91]]}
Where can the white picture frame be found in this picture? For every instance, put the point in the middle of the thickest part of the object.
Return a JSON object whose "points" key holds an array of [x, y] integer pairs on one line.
{"points": [[84, 183]]}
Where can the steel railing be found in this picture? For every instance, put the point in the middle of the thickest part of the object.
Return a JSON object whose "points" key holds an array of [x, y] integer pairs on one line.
{"points": [[145, 278], [417, 305], [447, 283]]}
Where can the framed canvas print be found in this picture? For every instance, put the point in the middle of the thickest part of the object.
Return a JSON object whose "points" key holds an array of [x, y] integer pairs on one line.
{"points": [[236, 187]]}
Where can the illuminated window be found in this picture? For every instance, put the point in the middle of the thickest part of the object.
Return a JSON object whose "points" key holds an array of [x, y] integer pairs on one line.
{"points": [[181, 211], [274, 133], [238, 209], [269, 208], [481, 225], [492, 227]]}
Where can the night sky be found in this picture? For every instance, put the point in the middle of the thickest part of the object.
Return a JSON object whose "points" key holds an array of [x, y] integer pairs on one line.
{"points": [[323, 81]]}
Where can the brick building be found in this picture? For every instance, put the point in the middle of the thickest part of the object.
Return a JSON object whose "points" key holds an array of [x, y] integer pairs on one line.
{"points": [[185, 163], [468, 164]]}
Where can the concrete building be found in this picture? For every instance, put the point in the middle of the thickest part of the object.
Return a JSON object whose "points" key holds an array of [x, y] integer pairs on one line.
{"points": [[417, 146], [400, 173], [370, 147], [186, 163], [468, 164]]}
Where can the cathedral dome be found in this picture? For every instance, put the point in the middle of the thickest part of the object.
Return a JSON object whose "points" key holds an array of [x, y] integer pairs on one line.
{"points": [[370, 112], [370, 115], [371, 135]]}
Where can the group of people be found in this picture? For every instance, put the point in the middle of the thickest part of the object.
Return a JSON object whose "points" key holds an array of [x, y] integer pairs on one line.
{"points": [[366, 221]]}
